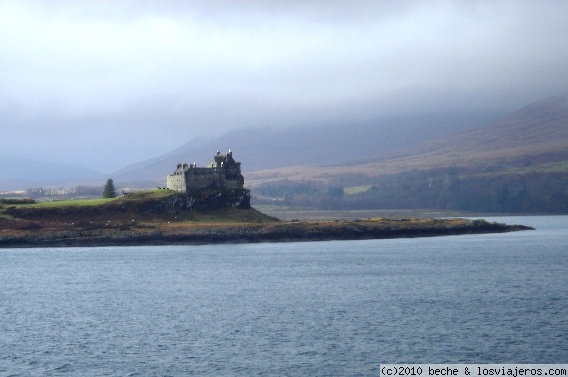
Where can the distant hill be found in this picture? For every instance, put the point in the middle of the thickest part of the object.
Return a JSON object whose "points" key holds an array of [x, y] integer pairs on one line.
{"points": [[518, 164], [536, 134], [321, 145], [18, 173]]}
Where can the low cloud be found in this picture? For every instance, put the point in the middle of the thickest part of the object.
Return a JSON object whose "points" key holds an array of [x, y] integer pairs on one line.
{"points": [[110, 83]]}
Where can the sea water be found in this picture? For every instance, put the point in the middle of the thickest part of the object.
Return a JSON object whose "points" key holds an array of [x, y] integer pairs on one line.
{"points": [[288, 309]]}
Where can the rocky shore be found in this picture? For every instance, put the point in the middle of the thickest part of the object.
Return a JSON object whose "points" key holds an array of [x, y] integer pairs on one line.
{"points": [[188, 233]]}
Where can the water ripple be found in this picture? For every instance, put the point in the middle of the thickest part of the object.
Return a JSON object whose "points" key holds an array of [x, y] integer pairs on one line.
{"points": [[300, 309]]}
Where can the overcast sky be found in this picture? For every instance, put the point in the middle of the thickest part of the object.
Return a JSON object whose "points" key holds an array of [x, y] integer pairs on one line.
{"points": [[107, 83]]}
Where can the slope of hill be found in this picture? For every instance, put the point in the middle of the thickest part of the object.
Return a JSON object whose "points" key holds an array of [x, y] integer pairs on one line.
{"points": [[536, 134], [329, 144], [517, 164]]}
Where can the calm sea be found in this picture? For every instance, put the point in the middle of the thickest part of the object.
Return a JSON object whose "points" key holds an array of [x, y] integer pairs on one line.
{"points": [[291, 309]]}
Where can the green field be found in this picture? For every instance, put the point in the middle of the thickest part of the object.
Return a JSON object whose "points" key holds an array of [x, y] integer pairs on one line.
{"points": [[152, 194], [69, 203], [356, 189]]}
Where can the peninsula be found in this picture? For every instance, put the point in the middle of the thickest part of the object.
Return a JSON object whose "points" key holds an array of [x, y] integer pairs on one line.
{"points": [[198, 206], [154, 218]]}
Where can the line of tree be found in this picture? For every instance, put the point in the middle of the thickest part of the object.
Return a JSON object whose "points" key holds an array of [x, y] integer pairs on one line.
{"points": [[108, 191], [448, 190], [77, 191]]}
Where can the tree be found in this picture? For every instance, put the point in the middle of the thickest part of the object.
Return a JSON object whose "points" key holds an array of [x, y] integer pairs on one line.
{"points": [[109, 190]]}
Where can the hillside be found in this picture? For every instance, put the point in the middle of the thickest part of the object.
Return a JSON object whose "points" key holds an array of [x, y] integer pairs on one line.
{"points": [[517, 164], [534, 135], [317, 145]]}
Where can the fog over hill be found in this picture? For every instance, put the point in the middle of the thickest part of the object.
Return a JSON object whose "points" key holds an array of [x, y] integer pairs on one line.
{"points": [[517, 164], [106, 84], [535, 134], [319, 145], [21, 173]]}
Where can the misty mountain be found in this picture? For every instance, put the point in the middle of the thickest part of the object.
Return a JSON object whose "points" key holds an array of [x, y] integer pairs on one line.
{"points": [[518, 164], [534, 135], [320, 145], [18, 172]]}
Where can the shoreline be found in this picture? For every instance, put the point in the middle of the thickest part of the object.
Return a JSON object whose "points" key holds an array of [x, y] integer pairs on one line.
{"points": [[232, 233]]}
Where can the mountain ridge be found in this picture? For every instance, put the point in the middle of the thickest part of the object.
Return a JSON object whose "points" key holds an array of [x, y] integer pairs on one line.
{"points": [[535, 134], [320, 145]]}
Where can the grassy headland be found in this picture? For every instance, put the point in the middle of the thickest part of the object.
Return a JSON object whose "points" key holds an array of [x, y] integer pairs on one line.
{"points": [[158, 217]]}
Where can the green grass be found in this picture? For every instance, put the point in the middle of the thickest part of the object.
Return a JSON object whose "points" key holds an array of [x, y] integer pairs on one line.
{"points": [[150, 194], [356, 190], [69, 203], [553, 167], [550, 168], [4, 215]]}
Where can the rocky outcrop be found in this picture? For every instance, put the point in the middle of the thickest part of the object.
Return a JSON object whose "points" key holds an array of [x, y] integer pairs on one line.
{"points": [[180, 202]]}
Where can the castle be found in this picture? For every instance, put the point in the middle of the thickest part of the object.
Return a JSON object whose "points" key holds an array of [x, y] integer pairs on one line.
{"points": [[220, 181]]}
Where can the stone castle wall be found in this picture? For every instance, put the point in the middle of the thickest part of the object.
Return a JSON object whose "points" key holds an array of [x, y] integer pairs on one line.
{"points": [[176, 182], [224, 173], [198, 179], [209, 178]]}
